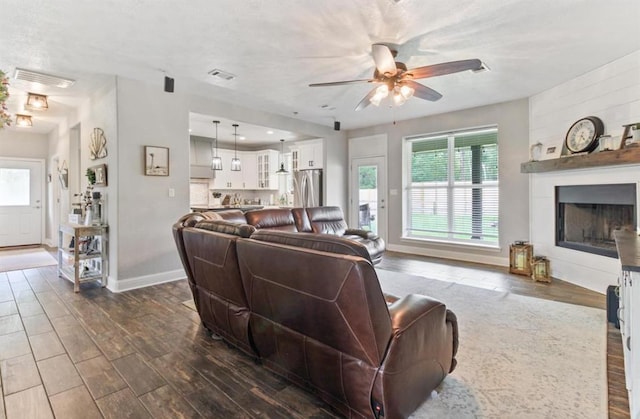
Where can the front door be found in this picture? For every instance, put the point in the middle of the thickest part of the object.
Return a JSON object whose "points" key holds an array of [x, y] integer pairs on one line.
{"points": [[20, 202], [368, 209]]}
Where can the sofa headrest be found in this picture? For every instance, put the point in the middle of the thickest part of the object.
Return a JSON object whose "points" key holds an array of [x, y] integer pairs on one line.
{"points": [[321, 242], [327, 220], [189, 220], [231, 215], [275, 219], [226, 227]]}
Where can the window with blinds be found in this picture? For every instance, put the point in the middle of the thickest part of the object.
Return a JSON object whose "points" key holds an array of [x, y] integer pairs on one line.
{"points": [[452, 189]]}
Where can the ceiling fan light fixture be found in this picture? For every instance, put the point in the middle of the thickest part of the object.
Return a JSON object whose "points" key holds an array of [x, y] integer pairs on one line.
{"points": [[382, 91], [406, 91]]}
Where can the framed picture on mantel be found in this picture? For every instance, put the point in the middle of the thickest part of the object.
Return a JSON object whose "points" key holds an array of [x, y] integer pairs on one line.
{"points": [[156, 161]]}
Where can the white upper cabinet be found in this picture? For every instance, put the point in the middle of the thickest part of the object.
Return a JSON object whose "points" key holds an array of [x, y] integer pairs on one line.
{"points": [[267, 165], [308, 155], [258, 170]]}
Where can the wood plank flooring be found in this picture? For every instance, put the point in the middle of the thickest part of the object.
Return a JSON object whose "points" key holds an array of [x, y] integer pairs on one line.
{"points": [[142, 354]]}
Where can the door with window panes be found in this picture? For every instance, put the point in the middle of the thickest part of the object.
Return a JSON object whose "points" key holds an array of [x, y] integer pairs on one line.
{"points": [[21, 206]]}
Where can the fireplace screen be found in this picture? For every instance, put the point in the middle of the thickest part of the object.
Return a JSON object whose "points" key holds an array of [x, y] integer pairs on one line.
{"points": [[587, 216]]}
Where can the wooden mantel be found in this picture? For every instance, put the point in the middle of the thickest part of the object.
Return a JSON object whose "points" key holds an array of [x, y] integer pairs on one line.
{"points": [[629, 155]]}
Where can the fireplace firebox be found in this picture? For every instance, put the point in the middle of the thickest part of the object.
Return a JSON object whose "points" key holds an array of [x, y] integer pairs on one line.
{"points": [[587, 216]]}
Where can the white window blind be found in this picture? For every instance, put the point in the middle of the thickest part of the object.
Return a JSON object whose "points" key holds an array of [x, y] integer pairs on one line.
{"points": [[452, 190]]}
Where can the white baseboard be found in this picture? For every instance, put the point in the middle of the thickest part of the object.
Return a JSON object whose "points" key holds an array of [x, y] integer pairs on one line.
{"points": [[447, 254], [145, 281]]}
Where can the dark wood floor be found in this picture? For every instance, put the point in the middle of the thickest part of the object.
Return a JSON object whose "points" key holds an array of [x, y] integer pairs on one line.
{"points": [[144, 354]]}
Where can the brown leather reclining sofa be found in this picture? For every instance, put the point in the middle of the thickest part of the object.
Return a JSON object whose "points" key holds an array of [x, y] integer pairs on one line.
{"points": [[311, 309], [318, 220]]}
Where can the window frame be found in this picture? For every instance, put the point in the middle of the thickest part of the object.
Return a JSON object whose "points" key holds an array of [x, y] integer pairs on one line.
{"points": [[450, 185]]}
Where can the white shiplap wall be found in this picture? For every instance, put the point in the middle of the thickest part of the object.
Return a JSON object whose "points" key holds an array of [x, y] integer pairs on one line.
{"points": [[612, 93]]}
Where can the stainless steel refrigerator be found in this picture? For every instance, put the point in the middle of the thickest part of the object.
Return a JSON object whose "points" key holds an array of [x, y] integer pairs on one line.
{"points": [[307, 188]]}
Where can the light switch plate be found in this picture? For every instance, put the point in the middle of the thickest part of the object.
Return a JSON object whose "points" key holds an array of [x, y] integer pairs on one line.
{"points": [[393, 192], [172, 193]]}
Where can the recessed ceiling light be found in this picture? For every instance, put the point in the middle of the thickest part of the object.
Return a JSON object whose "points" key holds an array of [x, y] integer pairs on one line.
{"points": [[269, 132], [189, 129], [242, 138]]}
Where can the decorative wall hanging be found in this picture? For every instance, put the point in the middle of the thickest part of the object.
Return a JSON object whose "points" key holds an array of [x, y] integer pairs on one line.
{"points": [[63, 175], [5, 118], [100, 174], [156, 161], [98, 145]]}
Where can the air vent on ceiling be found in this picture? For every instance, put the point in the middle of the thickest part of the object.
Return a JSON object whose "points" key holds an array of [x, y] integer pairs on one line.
{"points": [[216, 72], [42, 78]]}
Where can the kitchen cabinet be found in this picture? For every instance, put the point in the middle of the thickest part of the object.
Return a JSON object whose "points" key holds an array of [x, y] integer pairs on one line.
{"points": [[258, 170], [249, 170], [307, 155], [200, 159], [267, 165], [227, 178]]}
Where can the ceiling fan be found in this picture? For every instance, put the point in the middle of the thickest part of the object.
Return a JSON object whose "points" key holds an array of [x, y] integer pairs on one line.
{"points": [[394, 77]]}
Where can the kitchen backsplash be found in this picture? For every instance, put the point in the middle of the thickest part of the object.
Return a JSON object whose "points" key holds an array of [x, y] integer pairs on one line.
{"points": [[201, 195]]}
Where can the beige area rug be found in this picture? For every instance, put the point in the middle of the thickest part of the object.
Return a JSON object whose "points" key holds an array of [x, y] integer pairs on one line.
{"points": [[12, 260], [519, 357]]}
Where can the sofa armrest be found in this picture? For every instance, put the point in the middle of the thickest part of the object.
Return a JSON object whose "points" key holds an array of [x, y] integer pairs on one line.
{"points": [[428, 324], [421, 353], [362, 233]]}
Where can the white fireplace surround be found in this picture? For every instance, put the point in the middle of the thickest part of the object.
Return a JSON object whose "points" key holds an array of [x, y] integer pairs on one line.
{"points": [[585, 269]]}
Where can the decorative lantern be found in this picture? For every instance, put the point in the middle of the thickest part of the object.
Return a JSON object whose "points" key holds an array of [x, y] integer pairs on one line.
{"points": [[520, 256], [540, 269]]}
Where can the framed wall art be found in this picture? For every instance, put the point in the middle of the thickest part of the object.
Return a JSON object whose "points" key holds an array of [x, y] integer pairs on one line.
{"points": [[101, 174], [156, 161]]}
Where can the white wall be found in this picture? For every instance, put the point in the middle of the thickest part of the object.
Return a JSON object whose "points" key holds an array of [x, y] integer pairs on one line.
{"points": [[612, 93], [23, 144], [147, 116], [146, 252], [512, 120]]}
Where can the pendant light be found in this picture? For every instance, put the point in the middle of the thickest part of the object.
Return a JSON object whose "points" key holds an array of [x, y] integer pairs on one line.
{"points": [[216, 161], [282, 170], [236, 166]]}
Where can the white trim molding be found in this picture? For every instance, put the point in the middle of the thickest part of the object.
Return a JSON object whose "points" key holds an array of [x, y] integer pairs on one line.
{"points": [[145, 280], [447, 254]]}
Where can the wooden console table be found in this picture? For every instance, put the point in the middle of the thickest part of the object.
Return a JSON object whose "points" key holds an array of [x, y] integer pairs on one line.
{"points": [[87, 259], [630, 155]]}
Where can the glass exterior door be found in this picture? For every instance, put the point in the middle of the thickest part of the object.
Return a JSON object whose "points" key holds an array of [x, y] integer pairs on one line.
{"points": [[368, 195]]}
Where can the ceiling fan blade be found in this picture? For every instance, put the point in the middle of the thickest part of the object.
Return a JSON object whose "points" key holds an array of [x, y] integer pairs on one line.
{"points": [[385, 63], [423, 92], [340, 83], [442, 69], [366, 101]]}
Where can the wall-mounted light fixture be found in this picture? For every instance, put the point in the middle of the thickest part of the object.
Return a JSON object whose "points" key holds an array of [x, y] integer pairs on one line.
{"points": [[236, 166], [36, 102], [23, 121], [216, 161]]}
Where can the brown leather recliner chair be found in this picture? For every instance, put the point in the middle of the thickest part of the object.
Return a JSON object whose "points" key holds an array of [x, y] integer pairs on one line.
{"points": [[208, 251], [320, 319]]}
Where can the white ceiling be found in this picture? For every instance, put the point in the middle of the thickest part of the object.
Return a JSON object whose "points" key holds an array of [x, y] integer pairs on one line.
{"points": [[248, 134], [276, 48]]}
